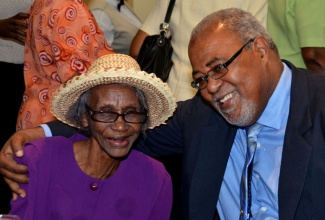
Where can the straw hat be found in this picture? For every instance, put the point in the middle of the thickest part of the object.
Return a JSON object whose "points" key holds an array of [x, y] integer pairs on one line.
{"points": [[116, 68]]}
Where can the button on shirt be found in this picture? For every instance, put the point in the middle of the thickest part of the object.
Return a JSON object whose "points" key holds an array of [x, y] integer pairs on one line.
{"points": [[267, 161]]}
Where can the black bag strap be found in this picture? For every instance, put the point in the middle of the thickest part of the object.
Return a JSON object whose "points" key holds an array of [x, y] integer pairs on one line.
{"points": [[164, 27], [169, 10]]}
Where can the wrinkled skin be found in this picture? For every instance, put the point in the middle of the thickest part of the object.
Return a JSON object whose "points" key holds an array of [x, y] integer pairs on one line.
{"points": [[112, 140]]}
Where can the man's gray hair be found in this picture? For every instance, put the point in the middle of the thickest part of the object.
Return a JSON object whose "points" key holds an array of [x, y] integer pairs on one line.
{"points": [[238, 21]]}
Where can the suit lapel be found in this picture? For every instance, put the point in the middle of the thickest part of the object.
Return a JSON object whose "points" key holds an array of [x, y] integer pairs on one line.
{"points": [[296, 151], [211, 161]]}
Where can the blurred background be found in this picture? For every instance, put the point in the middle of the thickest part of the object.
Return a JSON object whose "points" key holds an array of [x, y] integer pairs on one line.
{"points": [[141, 7]]}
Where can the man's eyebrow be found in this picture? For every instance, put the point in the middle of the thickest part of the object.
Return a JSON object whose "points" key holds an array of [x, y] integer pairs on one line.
{"points": [[207, 65], [212, 61]]}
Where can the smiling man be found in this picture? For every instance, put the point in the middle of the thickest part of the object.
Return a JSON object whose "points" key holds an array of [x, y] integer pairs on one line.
{"points": [[237, 69]]}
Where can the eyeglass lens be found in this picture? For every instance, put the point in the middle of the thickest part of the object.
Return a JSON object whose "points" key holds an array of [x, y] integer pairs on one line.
{"points": [[110, 117], [217, 71]]}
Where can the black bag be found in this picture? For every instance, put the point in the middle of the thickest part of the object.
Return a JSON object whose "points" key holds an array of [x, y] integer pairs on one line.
{"points": [[156, 51]]}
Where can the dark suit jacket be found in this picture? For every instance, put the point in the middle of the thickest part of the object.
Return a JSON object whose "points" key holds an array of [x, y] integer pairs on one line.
{"points": [[205, 140]]}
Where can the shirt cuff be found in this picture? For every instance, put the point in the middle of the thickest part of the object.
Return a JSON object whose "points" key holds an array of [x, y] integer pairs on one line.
{"points": [[47, 130]]}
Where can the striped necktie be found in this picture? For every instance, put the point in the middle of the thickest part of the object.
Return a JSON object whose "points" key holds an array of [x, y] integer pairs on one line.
{"points": [[245, 193]]}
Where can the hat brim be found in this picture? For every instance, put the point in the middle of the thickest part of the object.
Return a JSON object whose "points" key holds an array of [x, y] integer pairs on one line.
{"points": [[160, 100]]}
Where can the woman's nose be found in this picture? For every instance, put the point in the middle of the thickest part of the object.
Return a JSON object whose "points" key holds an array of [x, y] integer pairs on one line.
{"points": [[120, 123]]}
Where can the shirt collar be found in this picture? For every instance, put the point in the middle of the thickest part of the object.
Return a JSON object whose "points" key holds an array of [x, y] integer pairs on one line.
{"points": [[273, 114]]}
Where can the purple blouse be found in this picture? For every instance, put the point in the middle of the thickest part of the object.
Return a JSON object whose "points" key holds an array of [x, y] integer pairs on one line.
{"points": [[140, 189]]}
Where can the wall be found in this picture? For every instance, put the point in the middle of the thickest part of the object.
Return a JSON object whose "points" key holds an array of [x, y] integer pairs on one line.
{"points": [[141, 7]]}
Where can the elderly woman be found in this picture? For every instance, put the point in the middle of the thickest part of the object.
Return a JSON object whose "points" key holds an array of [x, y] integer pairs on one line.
{"points": [[101, 177]]}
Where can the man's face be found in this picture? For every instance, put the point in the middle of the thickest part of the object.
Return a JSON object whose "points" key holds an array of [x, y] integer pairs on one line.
{"points": [[242, 93]]}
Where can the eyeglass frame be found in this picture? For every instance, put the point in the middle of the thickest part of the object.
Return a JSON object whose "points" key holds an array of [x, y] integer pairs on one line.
{"points": [[92, 114], [218, 67]]}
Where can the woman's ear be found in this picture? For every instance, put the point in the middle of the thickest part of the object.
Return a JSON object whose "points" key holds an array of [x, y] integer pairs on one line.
{"points": [[84, 120]]}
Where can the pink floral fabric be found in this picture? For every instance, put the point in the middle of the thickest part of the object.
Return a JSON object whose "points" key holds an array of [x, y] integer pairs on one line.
{"points": [[62, 41]]}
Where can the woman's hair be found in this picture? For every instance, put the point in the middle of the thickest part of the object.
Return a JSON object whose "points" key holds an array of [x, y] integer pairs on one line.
{"points": [[239, 22], [77, 110]]}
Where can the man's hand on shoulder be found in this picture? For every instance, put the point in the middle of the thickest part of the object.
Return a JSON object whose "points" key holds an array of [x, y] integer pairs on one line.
{"points": [[13, 172]]}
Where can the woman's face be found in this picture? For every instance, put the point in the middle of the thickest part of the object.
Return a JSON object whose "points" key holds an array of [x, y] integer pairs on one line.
{"points": [[115, 138]]}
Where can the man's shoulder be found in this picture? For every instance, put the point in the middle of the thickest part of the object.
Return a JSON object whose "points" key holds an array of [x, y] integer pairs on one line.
{"points": [[195, 104], [309, 88]]}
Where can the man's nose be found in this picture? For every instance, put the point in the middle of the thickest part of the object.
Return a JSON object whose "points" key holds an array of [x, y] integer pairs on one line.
{"points": [[213, 85]]}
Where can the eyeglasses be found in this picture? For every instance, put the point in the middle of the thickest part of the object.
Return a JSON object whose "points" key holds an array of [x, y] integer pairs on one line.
{"points": [[217, 71], [111, 117]]}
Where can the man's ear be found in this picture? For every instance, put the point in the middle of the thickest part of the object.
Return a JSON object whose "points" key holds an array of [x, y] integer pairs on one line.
{"points": [[261, 46]]}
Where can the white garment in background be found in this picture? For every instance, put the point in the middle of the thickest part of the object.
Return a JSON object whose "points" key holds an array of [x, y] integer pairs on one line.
{"points": [[12, 52], [186, 15], [106, 24]]}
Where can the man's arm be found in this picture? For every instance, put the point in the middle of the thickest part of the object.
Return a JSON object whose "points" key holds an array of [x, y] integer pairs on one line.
{"points": [[58, 128], [15, 173], [310, 24], [314, 58]]}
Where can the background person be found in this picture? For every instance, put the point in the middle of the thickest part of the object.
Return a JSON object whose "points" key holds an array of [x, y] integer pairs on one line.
{"points": [[13, 16], [63, 38], [256, 86], [298, 29], [101, 177], [118, 22]]}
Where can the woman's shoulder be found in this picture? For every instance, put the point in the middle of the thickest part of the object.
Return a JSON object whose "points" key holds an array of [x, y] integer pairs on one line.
{"points": [[146, 164], [50, 145]]}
